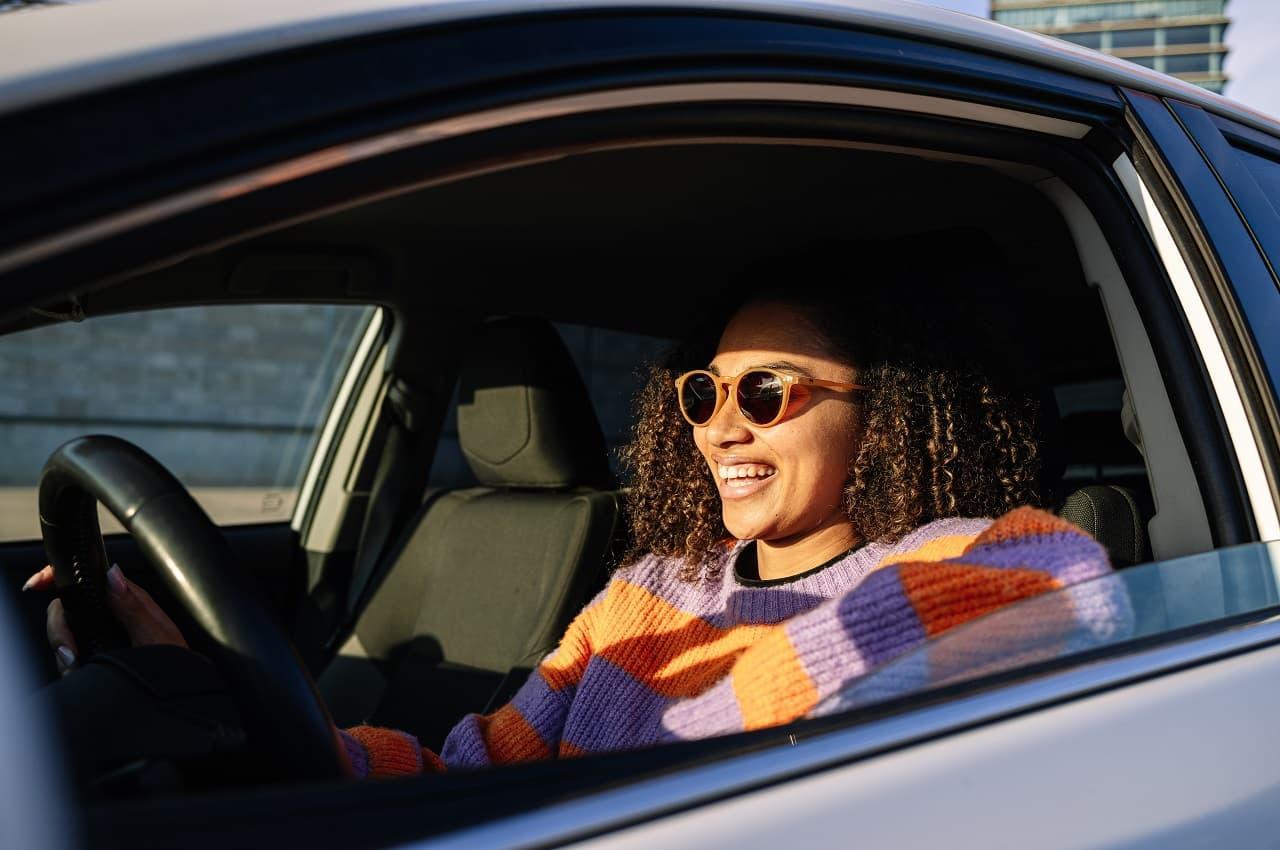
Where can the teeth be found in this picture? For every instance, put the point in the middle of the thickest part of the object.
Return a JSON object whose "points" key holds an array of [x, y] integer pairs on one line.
{"points": [[746, 470]]}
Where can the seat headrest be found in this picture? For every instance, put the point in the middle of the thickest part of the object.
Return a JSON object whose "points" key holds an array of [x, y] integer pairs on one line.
{"points": [[1111, 514], [524, 416]]}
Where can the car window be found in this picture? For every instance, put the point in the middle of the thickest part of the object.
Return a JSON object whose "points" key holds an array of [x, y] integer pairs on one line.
{"points": [[1264, 170], [1128, 605], [611, 364], [227, 397]]}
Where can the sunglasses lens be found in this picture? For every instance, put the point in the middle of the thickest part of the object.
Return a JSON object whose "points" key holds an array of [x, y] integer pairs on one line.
{"points": [[760, 396], [698, 398]]}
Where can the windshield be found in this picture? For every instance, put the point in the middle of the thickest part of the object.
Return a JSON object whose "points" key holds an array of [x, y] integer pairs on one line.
{"points": [[1139, 602]]}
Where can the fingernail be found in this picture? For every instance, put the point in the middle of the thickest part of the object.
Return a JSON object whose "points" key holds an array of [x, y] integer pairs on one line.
{"points": [[29, 582], [116, 578], [67, 656]]}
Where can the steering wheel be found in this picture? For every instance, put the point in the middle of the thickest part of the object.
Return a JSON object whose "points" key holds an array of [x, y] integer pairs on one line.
{"points": [[283, 714]]}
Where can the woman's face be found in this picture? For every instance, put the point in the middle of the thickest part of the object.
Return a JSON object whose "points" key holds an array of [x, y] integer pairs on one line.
{"points": [[786, 481]]}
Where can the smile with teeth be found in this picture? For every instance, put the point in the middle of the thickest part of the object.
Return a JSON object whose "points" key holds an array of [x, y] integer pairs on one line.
{"points": [[741, 474]]}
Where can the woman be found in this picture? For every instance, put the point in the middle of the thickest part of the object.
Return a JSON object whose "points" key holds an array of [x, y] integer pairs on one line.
{"points": [[810, 501]]}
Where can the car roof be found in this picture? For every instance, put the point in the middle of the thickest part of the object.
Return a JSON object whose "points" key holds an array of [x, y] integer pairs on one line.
{"points": [[54, 52]]}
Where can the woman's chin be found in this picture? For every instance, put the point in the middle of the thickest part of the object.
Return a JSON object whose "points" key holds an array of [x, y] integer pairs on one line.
{"points": [[747, 528]]}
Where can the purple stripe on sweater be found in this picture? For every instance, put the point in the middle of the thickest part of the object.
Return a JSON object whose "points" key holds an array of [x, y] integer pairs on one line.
{"points": [[612, 711], [715, 712], [544, 708], [768, 605], [1104, 609], [824, 648], [464, 748], [356, 754], [879, 618], [1065, 555]]}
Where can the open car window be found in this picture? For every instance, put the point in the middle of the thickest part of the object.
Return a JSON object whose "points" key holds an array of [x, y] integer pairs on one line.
{"points": [[1159, 601], [228, 397]]}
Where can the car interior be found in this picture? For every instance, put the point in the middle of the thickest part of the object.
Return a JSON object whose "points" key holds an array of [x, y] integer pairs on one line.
{"points": [[475, 503]]}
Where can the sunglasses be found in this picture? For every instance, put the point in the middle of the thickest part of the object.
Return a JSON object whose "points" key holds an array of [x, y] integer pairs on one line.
{"points": [[762, 395]]}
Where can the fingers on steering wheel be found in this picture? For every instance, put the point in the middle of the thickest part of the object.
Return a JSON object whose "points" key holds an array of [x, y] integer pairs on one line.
{"points": [[60, 638], [143, 619], [42, 580]]}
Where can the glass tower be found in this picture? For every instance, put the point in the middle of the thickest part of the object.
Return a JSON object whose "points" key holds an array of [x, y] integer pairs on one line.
{"points": [[1179, 37]]}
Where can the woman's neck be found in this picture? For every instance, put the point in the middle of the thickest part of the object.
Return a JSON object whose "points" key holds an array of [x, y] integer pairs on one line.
{"points": [[793, 555]]}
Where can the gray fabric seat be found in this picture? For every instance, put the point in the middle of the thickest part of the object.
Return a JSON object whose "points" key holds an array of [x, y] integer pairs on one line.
{"points": [[484, 580]]}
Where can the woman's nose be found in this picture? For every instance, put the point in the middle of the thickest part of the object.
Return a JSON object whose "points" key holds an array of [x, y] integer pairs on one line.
{"points": [[727, 426]]}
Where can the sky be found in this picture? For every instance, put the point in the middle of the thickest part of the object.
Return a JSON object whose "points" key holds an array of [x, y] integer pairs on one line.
{"points": [[1254, 61]]}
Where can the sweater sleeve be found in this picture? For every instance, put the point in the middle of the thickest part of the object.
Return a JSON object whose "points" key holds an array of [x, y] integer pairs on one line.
{"points": [[526, 729], [805, 660]]}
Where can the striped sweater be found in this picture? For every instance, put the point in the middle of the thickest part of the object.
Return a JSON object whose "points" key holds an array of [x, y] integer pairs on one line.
{"points": [[653, 658]]}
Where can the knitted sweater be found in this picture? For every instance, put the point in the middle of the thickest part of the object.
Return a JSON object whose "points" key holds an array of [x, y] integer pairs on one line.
{"points": [[653, 658]]}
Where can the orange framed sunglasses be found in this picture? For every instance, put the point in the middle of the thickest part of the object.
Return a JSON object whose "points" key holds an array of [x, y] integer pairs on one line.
{"points": [[762, 395]]}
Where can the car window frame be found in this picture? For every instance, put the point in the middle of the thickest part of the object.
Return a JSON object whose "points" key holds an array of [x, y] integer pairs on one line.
{"points": [[1226, 263]]}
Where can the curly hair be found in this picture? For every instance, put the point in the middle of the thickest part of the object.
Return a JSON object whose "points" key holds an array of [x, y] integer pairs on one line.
{"points": [[940, 437]]}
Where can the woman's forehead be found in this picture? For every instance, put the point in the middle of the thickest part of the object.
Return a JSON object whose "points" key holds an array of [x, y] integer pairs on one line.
{"points": [[768, 334]]}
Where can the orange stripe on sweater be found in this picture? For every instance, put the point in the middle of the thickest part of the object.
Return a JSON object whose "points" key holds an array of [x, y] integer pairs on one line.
{"points": [[1024, 522], [509, 738], [947, 595], [771, 685], [937, 549], [674, 653], [391, 753], [564, 667]]}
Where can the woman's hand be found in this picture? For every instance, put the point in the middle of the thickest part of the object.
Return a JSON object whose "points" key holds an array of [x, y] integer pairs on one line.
{"points": [[141, 617]]}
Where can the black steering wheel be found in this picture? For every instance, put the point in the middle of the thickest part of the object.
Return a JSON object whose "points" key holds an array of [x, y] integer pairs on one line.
{"points": [[283, 714]]}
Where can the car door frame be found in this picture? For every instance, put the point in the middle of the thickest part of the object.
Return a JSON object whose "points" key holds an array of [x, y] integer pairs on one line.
{"points": [[1224, 227]]}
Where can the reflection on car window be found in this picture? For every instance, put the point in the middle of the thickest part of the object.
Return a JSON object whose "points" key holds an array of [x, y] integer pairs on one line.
{"points": [[228, 397], [1139, 602]]}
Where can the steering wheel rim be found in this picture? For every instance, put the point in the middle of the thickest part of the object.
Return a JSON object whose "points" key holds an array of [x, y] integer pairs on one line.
{"points": [[284, 715]]}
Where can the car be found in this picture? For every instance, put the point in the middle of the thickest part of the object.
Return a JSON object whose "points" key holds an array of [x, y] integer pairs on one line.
{"points": [[285, 286]]}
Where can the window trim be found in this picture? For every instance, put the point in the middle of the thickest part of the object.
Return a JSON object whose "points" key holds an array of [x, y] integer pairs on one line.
{"points": [[338, 412], [1235, 289], [1243, 443]]}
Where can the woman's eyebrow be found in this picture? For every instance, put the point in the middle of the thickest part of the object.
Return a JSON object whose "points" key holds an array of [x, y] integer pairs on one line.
{"points": [[786, 366], [780, 365]]}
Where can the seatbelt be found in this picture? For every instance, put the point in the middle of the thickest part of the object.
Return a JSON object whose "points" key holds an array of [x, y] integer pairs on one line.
{"points": [[406, 414]]}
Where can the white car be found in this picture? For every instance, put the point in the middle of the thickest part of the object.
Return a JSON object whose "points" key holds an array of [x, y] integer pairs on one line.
{"points": [[250, 238]]}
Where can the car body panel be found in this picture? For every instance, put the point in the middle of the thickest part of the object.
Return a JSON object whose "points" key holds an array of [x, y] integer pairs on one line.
{"points": [[71, 51], [1183, 760]]}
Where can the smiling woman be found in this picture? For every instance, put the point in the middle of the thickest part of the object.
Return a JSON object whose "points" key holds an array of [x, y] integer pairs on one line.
{"points": [[831, 481], [906, 426]]}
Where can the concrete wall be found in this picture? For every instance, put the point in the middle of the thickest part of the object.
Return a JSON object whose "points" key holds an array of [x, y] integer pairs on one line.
{"points": [[224, 396]]}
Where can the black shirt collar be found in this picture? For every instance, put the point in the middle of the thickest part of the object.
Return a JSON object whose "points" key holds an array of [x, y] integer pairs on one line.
{"points": [[746, 568]]}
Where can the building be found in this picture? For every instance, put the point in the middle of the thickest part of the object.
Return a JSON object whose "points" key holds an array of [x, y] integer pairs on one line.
{"points": [[1179, 37]]}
